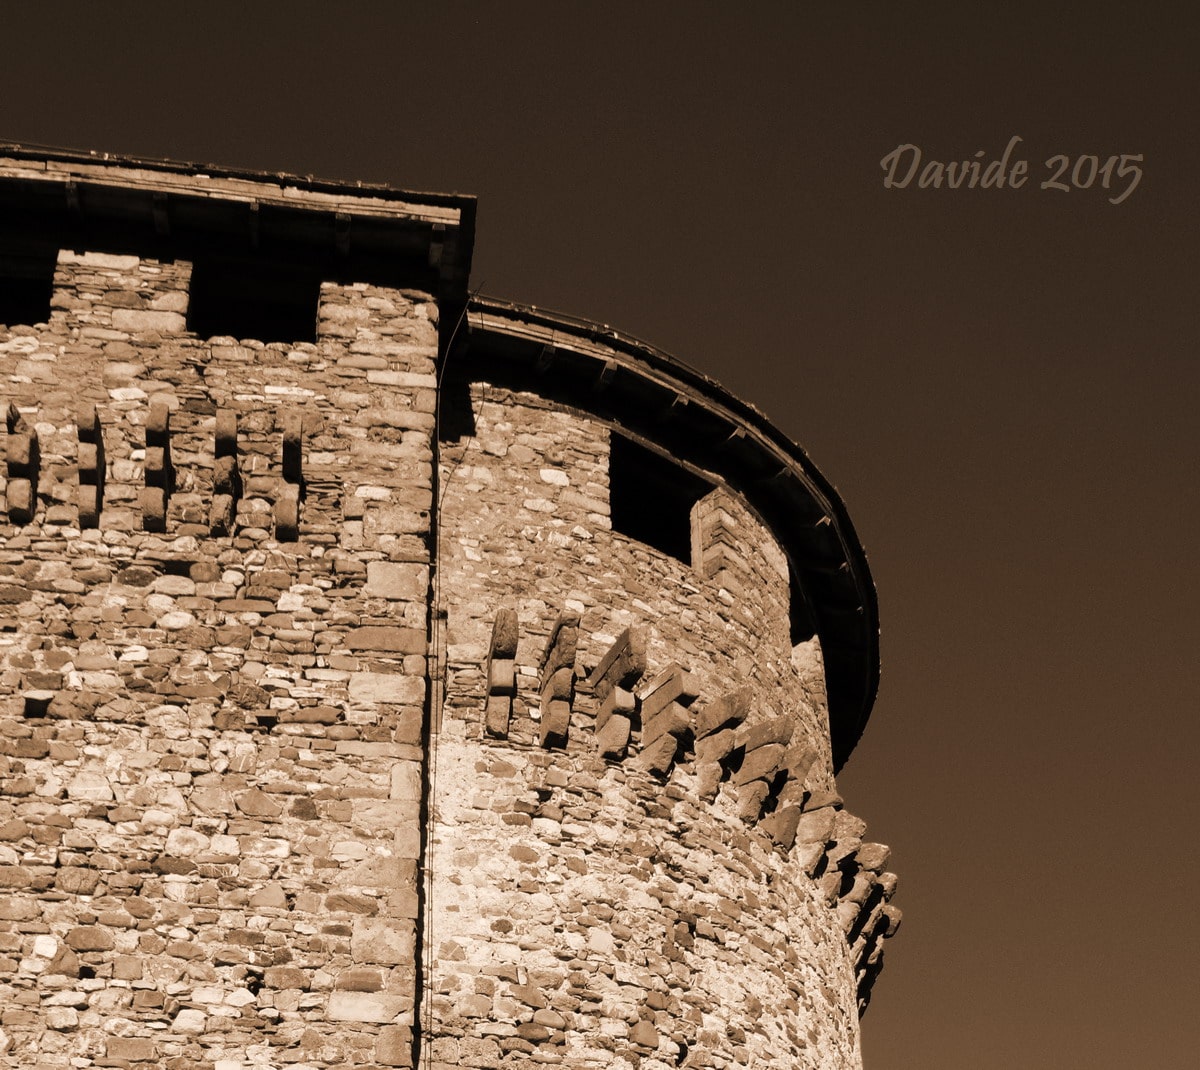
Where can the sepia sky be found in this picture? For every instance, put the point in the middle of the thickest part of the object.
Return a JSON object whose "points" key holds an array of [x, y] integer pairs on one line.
{"points": [[1002, 383]]}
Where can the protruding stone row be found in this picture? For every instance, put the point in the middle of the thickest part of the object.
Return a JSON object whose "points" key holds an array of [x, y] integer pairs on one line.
{"points": [[90, 494], [22, 458], [501, 674], [227, 478], [291, 489], [159, 472], [867, 916], [611, 682], [557, 680]]}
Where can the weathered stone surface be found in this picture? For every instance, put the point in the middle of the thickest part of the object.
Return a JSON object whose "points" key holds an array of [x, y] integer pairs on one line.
{"points": [[90, 938], [730, 709], [760, 764], [380, 941], [396, 640], [397, 580], [387, 687], [613, 738], [364, 1007]]}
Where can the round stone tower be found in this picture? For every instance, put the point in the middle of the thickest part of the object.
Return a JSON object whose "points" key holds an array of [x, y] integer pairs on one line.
{"points": [[390, 677]]}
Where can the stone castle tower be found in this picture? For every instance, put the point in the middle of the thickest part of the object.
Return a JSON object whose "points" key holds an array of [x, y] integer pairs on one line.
{"points": [[396, 678]]}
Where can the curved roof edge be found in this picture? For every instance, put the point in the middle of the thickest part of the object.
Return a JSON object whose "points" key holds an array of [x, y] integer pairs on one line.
{"points": [[652, 393]]}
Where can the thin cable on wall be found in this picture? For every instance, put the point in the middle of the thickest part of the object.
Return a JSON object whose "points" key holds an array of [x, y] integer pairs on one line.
{"points": [[435, 673]]}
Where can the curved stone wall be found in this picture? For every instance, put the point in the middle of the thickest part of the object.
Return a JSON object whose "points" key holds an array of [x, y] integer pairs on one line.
{"points": [[597, 901]]}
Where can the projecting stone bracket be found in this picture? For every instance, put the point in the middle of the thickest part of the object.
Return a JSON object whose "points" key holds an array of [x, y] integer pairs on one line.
{"points": [[666, 721], [227, 479], [715, 738], [501, 674], [159, 472], [622, 666], [557, 680], [22, 459], [287, 504], [89, 496]]}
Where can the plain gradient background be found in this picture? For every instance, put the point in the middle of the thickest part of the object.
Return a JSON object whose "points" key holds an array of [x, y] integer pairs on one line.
{"points": [[1001, 383]]}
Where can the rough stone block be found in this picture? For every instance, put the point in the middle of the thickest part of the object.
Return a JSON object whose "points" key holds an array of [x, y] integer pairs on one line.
{"points": [[505, 634], [781, 825], [623, 665], [366, 687], [558, 685], [21, 504], [392, 640], [729, 709], [502, 676], [750, 799], [406, 781], [497, 715], [383, 942], [379, 1007], [672, 684], [613, 738], [130, 1049], [761, 764], [617, 701], [561, 644], [671, 719], [660, 755], [777, 730], [153, 501], [816, 826], [226, 478], [136, 321], [873, 856], [397, 580], [555, 724], [393, 1046], [287, 517], [87, 505]]}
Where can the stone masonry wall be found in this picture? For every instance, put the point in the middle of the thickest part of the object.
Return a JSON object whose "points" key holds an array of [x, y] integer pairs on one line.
{"points": [[279, 787], [212, 686], [639, 859]]}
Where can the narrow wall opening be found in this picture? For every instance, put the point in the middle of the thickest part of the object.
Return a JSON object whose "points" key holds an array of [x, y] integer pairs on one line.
{"points": [[651, 498], [253, 298], [26, 285]]}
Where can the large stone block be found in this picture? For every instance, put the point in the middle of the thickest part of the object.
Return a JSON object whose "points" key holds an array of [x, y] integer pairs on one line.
{"points": [[387, 639], [137, 320], [397, 580], [367, 687], [382, 941], [380, 1007]]}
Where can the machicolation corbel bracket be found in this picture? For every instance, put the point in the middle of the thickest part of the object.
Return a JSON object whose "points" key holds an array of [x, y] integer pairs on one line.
{"points": [[611, 682], [22, 458], [89, 496], [715, 732], [287, 505], [666, 720], [557, 680], [227, 479], [501, 674], [159, 473]]}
